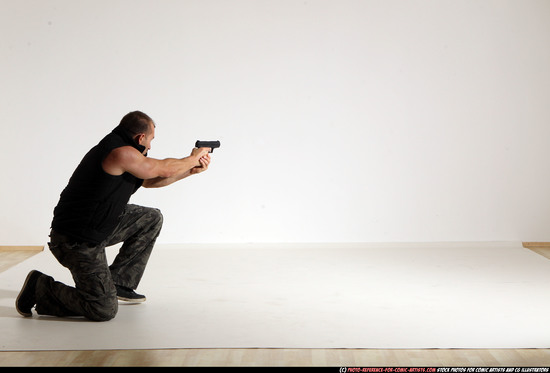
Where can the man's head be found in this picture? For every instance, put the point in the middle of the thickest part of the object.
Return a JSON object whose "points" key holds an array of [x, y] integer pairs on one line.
{"points": [[141, 127]]}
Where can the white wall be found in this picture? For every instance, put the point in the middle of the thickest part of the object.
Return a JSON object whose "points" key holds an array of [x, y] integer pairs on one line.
{"points": [[340, 120]]}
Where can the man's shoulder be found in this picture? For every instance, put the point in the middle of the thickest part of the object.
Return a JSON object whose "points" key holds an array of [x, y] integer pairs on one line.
{"points": [[119, 159], [124, 153]]}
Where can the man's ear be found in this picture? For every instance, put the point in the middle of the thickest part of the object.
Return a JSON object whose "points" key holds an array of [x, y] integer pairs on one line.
{"points": [[139, 138]]}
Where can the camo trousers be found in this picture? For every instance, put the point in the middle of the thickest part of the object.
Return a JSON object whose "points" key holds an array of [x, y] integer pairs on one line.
{"points": [[94, 294]]}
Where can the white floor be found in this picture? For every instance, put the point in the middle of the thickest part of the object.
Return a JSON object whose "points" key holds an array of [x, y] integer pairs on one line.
{"points": [[485, 295]]}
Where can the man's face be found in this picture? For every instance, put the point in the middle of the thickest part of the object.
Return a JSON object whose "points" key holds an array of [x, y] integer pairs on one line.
{"points": [[146, 139]]}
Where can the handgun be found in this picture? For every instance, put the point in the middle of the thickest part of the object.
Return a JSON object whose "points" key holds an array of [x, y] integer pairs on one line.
{"points": [[207, 144]]}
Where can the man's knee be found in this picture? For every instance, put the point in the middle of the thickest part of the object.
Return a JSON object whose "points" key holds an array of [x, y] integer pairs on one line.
{"points": [[103, 310], [154, 217], [158, 215], [99, 295]]}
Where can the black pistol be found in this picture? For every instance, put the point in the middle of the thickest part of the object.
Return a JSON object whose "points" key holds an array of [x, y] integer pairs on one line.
{"points": [[207, 144]]}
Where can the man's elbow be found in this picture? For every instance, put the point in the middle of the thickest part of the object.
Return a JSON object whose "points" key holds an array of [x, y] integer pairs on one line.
{"points": [[148, 183]]}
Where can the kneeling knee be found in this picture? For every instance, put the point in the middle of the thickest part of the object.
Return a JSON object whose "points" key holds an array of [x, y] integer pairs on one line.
{"points": [[103, 311]]}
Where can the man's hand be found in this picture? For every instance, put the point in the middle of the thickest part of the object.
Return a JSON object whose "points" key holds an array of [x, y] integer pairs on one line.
{"points": [[199, 153], [204, 162]]}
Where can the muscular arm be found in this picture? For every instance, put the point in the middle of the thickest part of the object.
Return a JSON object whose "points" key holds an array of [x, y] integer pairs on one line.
{"points": [[155, 172], [159, 182]]}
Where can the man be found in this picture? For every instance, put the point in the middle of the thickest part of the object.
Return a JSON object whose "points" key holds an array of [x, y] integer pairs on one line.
{"points": [[93, 213]]}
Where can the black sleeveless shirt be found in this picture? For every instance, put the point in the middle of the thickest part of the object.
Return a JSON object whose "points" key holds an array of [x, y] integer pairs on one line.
{"points": [[91, 204]]}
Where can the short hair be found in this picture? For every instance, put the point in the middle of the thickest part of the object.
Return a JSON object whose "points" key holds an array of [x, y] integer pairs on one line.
{"points": [[137, 123]]}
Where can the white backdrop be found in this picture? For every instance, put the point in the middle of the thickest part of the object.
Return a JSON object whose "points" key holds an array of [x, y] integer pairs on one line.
{"points": [[340, 120]]}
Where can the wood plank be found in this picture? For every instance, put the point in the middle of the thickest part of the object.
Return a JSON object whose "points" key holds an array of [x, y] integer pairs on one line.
{"points": [[21, 248], [281, 357], [9, 259], [532, 245], [541, 248]]}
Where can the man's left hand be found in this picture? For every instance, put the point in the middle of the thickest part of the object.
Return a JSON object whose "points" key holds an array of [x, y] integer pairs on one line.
{"points": [[204, 161]]}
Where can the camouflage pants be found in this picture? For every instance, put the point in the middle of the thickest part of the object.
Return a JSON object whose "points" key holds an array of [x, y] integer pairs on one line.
{"points": [[94, 294]]}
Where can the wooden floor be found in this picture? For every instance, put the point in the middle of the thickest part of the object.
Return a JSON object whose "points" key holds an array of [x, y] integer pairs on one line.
{"points": [[272, 357]]}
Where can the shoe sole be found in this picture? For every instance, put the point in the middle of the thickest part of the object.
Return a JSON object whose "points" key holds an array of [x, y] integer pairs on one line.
{"points": [[139, 300], [26, 314]]}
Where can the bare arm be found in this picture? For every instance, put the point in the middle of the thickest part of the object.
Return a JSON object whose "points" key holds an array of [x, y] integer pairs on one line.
{"points": [[159, 182], [155, 172]]}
